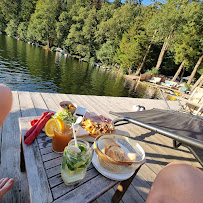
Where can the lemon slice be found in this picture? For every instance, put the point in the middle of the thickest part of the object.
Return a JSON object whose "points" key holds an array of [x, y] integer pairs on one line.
{"points": [[53, 122]]}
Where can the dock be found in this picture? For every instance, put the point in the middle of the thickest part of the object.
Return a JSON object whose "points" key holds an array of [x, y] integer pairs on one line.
{"points": [[158, 149]]}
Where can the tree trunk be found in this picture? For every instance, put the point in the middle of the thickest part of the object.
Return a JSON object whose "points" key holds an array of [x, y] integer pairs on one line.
{"points": [[164, 48], [178, 71], [198, 82], [161, 55], [182, 74], [195, 70], [144, 59]]}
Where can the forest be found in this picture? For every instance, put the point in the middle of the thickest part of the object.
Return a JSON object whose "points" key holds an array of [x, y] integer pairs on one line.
{"points": [[160, 38]]}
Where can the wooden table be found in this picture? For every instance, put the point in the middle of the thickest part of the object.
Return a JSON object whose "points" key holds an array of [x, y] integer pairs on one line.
{"points": [[43, 173]]}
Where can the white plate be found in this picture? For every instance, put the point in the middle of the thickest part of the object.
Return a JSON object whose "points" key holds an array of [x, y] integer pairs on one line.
{"points": [[104, 172]]}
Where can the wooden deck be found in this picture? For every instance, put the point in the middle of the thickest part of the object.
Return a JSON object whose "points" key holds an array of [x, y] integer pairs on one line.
{"points": [[158, 149]]}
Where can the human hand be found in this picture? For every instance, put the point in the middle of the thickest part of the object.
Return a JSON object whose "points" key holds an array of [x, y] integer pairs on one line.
{"points": [[5, 185]]}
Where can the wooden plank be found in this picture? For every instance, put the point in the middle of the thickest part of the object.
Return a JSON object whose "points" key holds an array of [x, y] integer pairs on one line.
{"points": [[53, 171], [57, 180], [52, 163], [26, 104], [37, 179], [52, 106], [46, 150], [50, 156], [10, 155], [84, 193], [132, 195], [38, 102]]}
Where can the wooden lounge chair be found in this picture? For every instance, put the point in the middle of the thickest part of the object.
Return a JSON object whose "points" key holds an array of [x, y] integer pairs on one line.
{"points": [[183, 128], [193, 105]]}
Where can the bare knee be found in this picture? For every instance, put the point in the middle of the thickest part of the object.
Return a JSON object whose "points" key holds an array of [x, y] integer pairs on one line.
{"points": [[177, 183], [5, 102]]}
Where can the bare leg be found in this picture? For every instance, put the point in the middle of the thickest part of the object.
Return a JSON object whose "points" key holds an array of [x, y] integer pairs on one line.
{"points": [[5, 106], [177, 183], [5, 102]]}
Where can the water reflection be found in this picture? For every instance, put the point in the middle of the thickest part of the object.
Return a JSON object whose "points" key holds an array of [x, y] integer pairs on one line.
{"points": [[28, 68]]}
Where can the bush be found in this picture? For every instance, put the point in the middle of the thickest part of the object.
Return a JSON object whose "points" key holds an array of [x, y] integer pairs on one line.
{"points": [[53, 49], [152, 71], [186, 85]]}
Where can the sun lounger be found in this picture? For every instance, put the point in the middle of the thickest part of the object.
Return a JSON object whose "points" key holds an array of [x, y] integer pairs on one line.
{"points": [[183, 128]]}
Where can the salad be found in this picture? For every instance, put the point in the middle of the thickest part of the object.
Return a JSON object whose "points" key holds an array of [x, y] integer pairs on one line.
{"points": [[65, 116]]}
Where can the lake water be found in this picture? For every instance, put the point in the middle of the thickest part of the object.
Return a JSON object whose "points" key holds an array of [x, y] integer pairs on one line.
{"points": [[25, 67]]}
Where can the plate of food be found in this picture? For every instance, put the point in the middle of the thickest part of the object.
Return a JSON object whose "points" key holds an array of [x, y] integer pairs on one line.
{"points": [[116, 156], [93, 125]]}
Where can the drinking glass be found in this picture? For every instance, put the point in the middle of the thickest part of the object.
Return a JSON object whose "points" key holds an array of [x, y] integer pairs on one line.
{"points": [[61, 138], [74, 165]]}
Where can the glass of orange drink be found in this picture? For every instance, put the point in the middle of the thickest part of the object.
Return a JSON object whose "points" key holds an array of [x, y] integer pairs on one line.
{"points": [[61, 138], [60, 132]]}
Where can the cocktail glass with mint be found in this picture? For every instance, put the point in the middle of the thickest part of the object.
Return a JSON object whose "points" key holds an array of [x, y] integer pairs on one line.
{"points": [[74, 164]]}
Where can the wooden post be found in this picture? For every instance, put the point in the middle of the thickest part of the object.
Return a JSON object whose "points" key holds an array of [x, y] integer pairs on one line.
{"points": [[121, 189]]}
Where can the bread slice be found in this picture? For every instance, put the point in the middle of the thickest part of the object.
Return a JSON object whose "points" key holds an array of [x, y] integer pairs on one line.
{"points": [[109, 143], [116, 153]]}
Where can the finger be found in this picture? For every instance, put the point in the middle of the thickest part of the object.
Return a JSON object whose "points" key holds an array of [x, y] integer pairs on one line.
{"points": [[3, 182], [6, 187]]}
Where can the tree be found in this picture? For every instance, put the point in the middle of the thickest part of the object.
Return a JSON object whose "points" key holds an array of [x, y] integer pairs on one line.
{"points": [[12, 27], [145, 56], [117, 3], [22, 30], [168, 22], [187, 44], [62, 27], [10, 9], [42, 26], [27, 9], [106, 53], [195, 70], [113, 28], [96, 4], [130, 52], [198, 82], [178, 71]]}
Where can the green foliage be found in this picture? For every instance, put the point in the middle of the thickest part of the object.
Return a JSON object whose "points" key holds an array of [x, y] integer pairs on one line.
{"points": [[152, 71], [12, 27], [188, 43], [131, 50], [22, 30], [62, 27], [10, 9], [106, 53], [42, 26], [27, 8]]}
